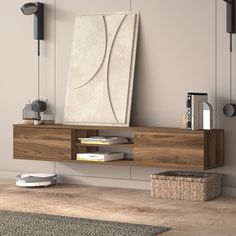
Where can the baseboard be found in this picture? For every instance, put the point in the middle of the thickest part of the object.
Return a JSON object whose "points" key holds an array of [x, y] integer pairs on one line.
{"points": [[82, 180], [106, 182], [8, 174], [229, 191]]}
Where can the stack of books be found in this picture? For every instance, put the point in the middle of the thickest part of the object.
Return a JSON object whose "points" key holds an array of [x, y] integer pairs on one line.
{"points": [[100, 156], [104, 140]]}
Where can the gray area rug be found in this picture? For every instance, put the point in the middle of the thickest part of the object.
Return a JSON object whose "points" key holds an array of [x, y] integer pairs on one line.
{"points": [[22, 224]]}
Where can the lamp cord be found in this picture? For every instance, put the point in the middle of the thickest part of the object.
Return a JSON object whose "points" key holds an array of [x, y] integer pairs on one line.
{"points": [[38, 75], [55, 60], [216, 64], [231, 68]]}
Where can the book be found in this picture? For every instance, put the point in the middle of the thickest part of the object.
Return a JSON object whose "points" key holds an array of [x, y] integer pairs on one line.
{"points": [[103, 140], [100, 156]]}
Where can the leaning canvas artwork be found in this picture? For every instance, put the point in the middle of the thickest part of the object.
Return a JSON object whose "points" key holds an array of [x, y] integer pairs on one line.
{"points": [[101, 73]]}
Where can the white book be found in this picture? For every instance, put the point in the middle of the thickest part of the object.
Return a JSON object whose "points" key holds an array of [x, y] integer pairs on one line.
{"points": [[101, 156]]}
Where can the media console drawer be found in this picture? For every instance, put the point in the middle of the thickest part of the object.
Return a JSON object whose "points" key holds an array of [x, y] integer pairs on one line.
{"points": [[180, 149], [42, 144]]}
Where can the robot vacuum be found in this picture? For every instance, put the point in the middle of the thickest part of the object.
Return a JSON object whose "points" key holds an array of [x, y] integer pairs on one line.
{"points": [[36, 180]]}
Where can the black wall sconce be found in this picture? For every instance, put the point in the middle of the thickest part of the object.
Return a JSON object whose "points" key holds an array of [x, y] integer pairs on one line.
{"points": [[230, 108], [231, 18], [36, 9]]}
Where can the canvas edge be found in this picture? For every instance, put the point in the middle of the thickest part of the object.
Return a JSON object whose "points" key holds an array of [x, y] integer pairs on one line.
{"points": [[132, 70]]}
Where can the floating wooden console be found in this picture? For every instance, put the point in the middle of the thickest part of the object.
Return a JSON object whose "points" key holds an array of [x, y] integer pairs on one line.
{"points": [[151, 147]]}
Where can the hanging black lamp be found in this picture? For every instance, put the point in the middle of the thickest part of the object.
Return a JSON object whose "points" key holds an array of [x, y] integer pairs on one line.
{"points": [[37, 9], [230, 108]]}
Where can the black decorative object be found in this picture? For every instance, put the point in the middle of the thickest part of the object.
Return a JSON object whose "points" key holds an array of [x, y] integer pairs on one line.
{"points": [[38, 106], [34, 110], [229, 110]]}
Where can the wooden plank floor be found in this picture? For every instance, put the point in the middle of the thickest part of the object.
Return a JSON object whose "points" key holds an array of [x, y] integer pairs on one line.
{"points": [[217, 217]]}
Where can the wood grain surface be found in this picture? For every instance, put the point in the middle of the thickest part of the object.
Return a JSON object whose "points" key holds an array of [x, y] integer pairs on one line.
{"points": [[152, 147], [186, 149], [46, 144], [214, 149]]}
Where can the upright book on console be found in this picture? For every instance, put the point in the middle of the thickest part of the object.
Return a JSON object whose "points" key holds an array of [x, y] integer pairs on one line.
{"points": [[100, 156]]}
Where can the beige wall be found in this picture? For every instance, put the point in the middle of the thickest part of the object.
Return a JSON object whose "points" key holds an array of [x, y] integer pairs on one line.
{"points": [[176, 54]]}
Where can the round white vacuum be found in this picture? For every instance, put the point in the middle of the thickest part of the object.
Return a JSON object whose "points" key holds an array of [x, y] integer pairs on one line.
{"points": [[36, 180]]}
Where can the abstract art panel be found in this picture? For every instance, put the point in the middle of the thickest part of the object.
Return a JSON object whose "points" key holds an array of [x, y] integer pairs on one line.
{"points": [[101, 73]]}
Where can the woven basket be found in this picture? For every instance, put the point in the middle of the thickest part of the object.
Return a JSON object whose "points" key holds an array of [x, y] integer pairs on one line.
{"points": [[183, 185]]}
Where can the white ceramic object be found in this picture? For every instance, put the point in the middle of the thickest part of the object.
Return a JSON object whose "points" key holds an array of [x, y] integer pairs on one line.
{"points": [[207, 116]]}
